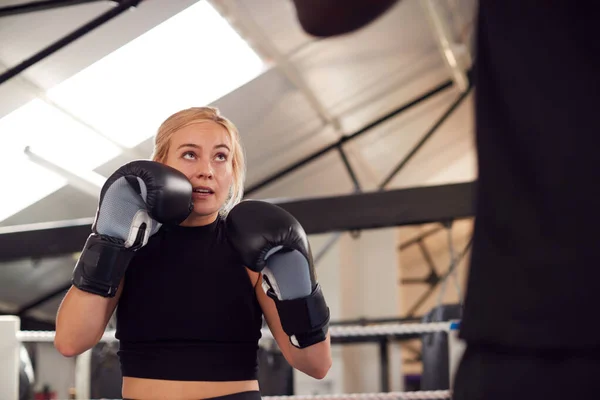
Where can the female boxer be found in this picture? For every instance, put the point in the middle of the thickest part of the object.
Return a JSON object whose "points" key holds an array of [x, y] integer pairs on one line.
{"points": [[191, 271]]}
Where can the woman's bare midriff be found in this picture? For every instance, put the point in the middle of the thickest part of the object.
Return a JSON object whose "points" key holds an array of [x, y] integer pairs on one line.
{"points": [[149, 389]]}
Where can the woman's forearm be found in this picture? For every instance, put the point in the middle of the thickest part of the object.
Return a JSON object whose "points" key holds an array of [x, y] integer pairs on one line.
{"points": [[314, 360], [81, 320]]}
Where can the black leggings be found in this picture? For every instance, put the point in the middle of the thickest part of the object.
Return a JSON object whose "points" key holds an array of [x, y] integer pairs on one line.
{"points": [[250, 395]]}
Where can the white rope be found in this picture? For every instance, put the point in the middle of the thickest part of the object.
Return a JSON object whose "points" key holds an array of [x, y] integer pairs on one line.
{"points": [[434, 394], [335, 331], [388, 329]]}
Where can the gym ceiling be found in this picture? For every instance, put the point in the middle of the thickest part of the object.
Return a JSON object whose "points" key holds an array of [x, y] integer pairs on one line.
{"points": [[358, 123]]}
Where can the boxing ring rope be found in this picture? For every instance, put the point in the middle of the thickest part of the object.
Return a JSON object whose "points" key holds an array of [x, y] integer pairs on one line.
{"points": [[11, 338], [335, 331]]}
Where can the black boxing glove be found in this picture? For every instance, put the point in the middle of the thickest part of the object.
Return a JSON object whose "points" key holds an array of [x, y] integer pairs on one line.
{"points": [[134, 202], [270, 240]]}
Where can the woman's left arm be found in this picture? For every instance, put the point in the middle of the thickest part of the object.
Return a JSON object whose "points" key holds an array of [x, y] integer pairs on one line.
{"points": [[269, 240], [314, 360]]}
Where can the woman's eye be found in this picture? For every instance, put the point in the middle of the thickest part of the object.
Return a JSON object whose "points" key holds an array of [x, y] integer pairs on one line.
{"points": [[221, 157], [189, 155]]}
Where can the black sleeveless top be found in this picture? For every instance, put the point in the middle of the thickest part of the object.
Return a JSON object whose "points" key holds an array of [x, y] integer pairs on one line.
{"points": [[188, 310]]}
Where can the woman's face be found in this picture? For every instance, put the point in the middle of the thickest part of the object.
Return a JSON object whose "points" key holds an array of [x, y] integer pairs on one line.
{"points": [[203, 152]]}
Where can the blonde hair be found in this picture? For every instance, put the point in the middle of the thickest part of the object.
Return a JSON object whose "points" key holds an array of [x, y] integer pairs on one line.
{"points": [[193, 115]]}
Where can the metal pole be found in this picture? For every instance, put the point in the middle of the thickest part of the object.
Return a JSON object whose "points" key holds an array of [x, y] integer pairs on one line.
{"points": [[413, 241], [40, 6], [446, 44], [89, 182], [431, 288], [357, 189], [427, 256], [349, 168], [424, 139], [327, 149], [328, 246], [384, 360], [78, 33]]}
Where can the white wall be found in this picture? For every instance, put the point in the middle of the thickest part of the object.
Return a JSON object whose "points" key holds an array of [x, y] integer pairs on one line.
{"points": [[54, 370], [369, 283], [359, 279]]}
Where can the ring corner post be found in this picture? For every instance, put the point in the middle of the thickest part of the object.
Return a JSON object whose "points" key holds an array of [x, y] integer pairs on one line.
{"points": [[9, 356]]}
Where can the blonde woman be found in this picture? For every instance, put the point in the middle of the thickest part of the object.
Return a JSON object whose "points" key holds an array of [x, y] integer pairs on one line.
{"points": [[193, 270]]}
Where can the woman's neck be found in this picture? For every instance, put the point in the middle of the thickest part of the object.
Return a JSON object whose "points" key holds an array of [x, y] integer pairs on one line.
{"points": [[200, 220]]}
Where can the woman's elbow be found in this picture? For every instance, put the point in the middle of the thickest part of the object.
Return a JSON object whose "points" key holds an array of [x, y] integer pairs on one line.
{"points": [[320, 371], [68, 347], [316, 369], [65, 349]]}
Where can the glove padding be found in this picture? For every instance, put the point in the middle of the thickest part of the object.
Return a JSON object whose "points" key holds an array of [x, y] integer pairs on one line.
{"points": [[134, 202], [270, 240]]}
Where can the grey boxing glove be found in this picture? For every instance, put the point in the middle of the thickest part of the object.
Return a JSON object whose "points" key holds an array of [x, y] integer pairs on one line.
{"points": [[134, 202], [270, 240]]}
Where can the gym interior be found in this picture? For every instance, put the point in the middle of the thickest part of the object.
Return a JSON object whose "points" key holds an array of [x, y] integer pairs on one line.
{"points": [[366, 138]]}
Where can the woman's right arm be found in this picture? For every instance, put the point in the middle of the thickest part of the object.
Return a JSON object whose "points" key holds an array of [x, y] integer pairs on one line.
{"points": [[122, 226], [81, 320]]}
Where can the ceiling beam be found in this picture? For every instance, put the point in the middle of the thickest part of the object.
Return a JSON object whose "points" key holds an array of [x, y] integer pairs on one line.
{"points": [[350, 212], [325, 150], [455, 104], [41, 5], [456, 56], [122, 6], [240, 18]]}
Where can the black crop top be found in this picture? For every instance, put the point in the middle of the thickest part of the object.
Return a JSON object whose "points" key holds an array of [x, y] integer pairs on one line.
{"points": [[188, 310]]}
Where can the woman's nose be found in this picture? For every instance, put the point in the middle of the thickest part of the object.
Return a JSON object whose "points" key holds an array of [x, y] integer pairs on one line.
{"points": [[204, 170]]}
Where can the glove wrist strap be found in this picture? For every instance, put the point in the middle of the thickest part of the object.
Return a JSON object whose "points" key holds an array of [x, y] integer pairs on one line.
{"points": [[101, 266], [304, 320]]}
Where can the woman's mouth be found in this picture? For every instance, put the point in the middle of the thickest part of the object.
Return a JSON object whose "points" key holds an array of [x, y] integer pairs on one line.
{"points": [[202, 192]]}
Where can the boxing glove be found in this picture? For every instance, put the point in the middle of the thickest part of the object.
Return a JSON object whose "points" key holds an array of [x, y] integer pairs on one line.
{"points": [[134, 202], [270, 240]]}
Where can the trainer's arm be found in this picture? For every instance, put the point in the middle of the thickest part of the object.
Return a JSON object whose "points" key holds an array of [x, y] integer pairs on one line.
{"points": [[314, 360], [81, 320]]}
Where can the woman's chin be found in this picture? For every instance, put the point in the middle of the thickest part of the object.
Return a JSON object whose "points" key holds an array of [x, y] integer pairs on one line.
{"points": [[203, 210]]}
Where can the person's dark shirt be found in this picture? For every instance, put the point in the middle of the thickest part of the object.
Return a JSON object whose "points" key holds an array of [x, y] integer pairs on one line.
{"points": [[188, 310], [533, 279]]}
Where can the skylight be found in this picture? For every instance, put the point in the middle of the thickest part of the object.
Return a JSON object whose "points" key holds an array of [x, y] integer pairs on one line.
{"points": [[191, 59], [53, 136]]}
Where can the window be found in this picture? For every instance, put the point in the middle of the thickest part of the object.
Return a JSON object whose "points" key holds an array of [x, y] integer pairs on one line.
{"points": [[191, 59]]}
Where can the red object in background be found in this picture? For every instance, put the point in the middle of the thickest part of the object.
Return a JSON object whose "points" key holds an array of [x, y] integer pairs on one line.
{"points": [[46, 395]]}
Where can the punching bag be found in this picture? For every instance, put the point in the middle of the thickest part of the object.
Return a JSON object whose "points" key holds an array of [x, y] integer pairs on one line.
{"points": [[434, 349]]}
